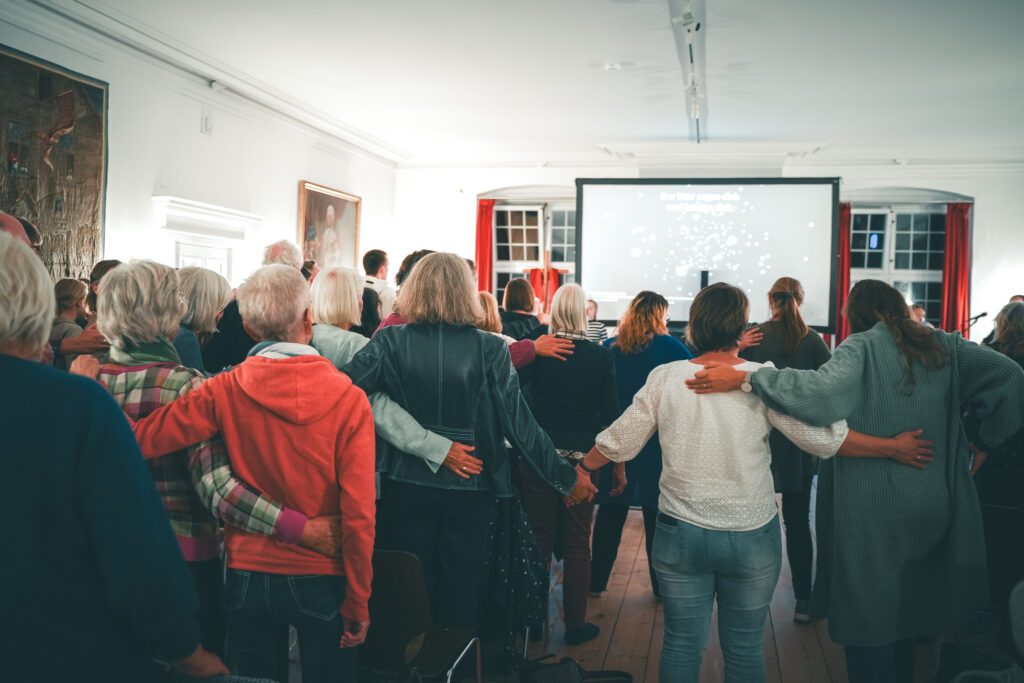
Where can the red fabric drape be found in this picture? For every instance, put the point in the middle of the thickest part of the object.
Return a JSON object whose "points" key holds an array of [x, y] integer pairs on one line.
{"points": [[485, 245], [956, 284], [843, 275], [536, 277]]}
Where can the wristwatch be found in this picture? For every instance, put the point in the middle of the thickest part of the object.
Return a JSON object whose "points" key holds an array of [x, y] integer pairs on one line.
{"points": [[745, 385]]}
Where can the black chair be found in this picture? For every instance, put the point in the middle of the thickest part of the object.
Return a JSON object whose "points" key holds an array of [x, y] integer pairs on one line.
{"points": [[402, 638]]}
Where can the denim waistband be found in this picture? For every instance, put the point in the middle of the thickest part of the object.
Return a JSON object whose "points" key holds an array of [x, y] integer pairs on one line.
{"points": [[671, 521]]}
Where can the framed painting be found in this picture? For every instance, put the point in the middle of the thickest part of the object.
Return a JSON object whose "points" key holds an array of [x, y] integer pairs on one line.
{"points": [[328, 225], [53, 138]]}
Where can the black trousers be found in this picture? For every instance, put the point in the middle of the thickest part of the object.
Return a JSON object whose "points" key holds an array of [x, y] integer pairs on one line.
{"points": [[208, 577], [892, 663], [796, 516], [605, 545], [449, 530]]}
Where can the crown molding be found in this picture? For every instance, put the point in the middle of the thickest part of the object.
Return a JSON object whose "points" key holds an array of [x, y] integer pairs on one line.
{"points": [[197, 218]]}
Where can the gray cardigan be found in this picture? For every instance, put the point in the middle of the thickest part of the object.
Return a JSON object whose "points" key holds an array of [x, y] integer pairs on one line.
{"points": [[392, 422], [901, 551]]}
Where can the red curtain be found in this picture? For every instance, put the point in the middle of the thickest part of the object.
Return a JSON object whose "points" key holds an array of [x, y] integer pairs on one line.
{"points": [[485, 245], [843, 277], [536, 276], [956, 285]]}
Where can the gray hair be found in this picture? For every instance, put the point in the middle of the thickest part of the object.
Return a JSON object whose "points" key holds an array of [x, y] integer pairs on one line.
{"points": [[206, 293], [138, 303], [569, 310], [337, 294], [440, 289], [283, 252], [27, 306], [273, 302]]}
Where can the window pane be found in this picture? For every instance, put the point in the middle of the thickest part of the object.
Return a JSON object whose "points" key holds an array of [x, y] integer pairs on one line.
{"points": [[875, 259], [502, 253], [933, 311], [876, 241], [903, 222], [902, 261], [531, 217], [517, 218], [533, 253], [501, 236], [557, 236], [878, 221], [859, 240], [518, 235], [532, 236], [903, 241], [935, 261], [557, 253], [557, 218], [920, 261], [570, 254], [920, 241], [918, 291], [920, 222], [572, 219], [518, 253], [501, 217], [938, 222], [857, 259], [860, 222]]}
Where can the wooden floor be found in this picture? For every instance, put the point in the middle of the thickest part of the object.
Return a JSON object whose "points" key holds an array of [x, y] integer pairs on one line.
{"points": [[631, 622]]}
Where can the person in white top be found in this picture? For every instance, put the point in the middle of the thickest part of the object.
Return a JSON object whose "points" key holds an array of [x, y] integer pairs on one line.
{"points": [[375, 265], [718, 528]]}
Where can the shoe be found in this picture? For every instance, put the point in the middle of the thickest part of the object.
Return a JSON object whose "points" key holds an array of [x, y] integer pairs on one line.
{"points": [[595, 594], [802, 615], [578, 636]]}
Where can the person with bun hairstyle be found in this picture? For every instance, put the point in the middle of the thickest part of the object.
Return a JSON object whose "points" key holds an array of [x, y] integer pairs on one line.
{"points": [[788, 342]]}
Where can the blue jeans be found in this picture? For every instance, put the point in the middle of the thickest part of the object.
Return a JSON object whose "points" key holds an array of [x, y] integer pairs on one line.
{"points": [[258, 609], [695, 564]]}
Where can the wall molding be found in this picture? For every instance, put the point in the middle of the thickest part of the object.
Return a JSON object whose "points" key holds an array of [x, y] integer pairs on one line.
{"points": [[188, 217]]}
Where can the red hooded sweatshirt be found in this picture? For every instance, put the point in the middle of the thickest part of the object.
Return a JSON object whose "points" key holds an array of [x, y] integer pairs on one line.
{"points": [[301, 432]]}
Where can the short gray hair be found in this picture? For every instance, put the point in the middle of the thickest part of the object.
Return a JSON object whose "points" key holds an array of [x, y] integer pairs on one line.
{"points": [[283, 252], [440, 289], [336, 294], [28, 305], [569, 310], [273, 302], [139, 302], [206, 293]]}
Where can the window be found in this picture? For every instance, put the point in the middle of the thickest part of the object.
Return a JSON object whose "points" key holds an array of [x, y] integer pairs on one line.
{"points": [[522, 235], [904, 246], [517, 233], [563, 236]]}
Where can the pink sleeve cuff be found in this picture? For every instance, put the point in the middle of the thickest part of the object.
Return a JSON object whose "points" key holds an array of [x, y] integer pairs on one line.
{"points": [[290, 525], [523, 353]]}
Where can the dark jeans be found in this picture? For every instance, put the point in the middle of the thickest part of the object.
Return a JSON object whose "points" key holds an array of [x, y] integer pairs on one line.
{"points": [[568, 529], [607, 536], [259, 608], [208, 577], [449, 530], [796, 516], [892, 663]]}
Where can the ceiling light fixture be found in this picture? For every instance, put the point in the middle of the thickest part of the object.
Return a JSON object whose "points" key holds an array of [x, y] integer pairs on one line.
{"points": [[686, 25]]}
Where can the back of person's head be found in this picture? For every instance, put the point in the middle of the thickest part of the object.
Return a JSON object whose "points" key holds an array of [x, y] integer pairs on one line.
{"points": [[643, 319], [35, 238], [27, 306], [69, 294], [283, 252], [310, 270], [1009, 334], [718, 317], [874, 301], [138, 304], [337, 295], [518, 296], [569, 310], [491, 320], [787, 295], [205, 293], [95, 275], [273, 302], [374, 260], [408, 263], [1017, 298], [13, 227], [440, 289]]}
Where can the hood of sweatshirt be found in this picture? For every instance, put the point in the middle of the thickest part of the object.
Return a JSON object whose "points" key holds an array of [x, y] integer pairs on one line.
{"points": [[299, 390]]}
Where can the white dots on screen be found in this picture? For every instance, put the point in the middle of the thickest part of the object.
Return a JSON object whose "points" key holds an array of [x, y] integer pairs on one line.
{"points": [[806, 259], [681, 270], [731, 240], [635, 252], [811, 224], [761, 271]]}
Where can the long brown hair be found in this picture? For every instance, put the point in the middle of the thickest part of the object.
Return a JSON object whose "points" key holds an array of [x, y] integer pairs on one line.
{"points": [[644, 318], [1010, 331], [787, 296], [874, 301], [518, 296]]}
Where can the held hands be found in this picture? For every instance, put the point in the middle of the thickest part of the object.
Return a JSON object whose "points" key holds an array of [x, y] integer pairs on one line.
{"points": [[354, 633], [200, 664], [716, 378], [751, 337], [583, 491], [553, 347], [86, 366], [461, 462], [911, 450], [323, 535], [620, 480]]}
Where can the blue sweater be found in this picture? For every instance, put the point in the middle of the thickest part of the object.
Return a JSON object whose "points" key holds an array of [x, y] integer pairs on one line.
{"points": [[631, 371], [91, 578]]}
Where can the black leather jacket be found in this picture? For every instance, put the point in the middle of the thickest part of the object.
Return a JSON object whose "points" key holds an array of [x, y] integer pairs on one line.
{"points": [[457, 382]]}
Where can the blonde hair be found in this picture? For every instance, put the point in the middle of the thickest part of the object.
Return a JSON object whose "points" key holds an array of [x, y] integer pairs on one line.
{"points": [[491, 319], [139, 303], [337, 295], [273, 302], [283, 252], [569, 310], [69, 293], [440, 289], [206, 293], [27, 307]]}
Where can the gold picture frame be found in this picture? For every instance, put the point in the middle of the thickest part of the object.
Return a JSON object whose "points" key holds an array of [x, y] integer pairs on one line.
{"points": [[329, 225]]}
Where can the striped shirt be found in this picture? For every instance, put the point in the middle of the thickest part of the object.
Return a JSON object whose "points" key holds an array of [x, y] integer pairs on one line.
{"points": [[596, 331]]}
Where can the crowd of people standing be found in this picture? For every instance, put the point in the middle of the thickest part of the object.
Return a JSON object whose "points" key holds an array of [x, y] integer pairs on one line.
{"points": [[295, 425]]}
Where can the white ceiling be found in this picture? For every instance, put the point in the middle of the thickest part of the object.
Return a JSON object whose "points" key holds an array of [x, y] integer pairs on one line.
{"points": [[481, 81]]}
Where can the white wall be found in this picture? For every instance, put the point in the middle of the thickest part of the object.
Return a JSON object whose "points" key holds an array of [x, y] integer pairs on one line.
{"points": [[252, 162]]}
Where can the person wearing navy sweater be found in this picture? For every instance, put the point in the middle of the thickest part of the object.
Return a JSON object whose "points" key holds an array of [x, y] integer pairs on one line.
{"points": [[642, 344], [92, 582]]}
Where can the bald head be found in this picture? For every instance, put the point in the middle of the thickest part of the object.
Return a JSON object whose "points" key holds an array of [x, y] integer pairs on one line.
{"points": [[12, 226]]}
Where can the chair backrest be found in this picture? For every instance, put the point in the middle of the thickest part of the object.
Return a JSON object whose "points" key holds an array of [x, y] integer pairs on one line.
{"points": [[399, 610], [1017, 617]]}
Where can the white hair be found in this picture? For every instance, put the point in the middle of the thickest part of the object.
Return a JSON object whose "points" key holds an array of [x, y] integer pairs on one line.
{"points": [[273, 302], [206, 293], [569, 310], [283, 252], [337, 294], [28, 305], [139, 302]]}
